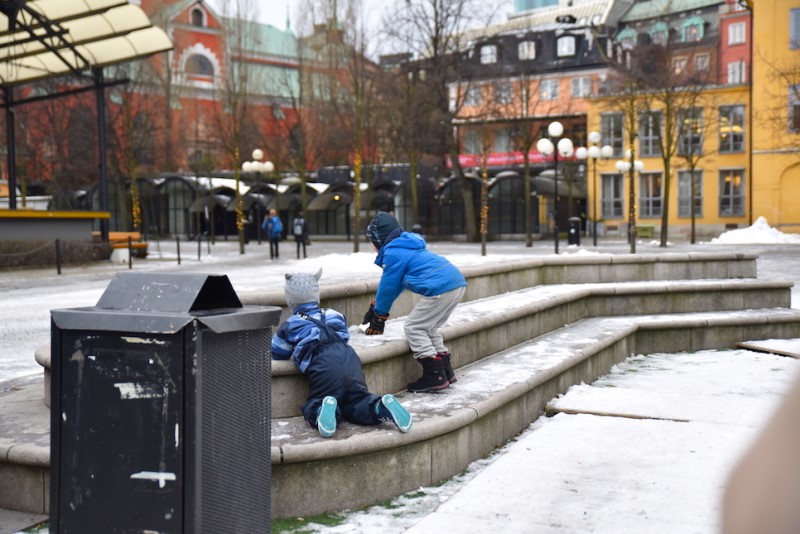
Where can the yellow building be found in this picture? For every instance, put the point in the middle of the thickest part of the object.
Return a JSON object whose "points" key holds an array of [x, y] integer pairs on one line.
{"points": [[720, 163], [750, 166], [776, 113]]}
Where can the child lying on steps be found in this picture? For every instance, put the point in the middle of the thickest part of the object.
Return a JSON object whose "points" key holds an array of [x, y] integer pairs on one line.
{"points": [[316, 341]]}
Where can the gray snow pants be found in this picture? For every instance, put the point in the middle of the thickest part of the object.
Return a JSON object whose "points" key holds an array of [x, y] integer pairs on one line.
{"points": [[423, 323]]}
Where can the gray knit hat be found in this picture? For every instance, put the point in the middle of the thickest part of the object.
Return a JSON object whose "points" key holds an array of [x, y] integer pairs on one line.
{"points": [[301, 288]]}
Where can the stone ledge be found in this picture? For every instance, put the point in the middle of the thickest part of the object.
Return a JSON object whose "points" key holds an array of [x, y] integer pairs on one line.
{"points": [[456, 413]]}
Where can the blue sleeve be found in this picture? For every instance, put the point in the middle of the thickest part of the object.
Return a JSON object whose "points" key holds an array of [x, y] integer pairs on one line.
{"points": [[391, 284], [281, 348]]}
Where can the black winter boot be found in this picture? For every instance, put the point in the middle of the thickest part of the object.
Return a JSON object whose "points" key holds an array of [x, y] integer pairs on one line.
{"points": [[448, 367], [433, 377]]}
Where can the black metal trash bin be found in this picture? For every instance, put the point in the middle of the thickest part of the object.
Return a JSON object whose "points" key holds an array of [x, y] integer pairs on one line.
{"points": [[160, 411], [574, 233]]}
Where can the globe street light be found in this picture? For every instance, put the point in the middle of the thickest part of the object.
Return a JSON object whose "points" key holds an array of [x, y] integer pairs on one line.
{"points": [[594, 152], [631, 166], [257, 166], [565, 148]]}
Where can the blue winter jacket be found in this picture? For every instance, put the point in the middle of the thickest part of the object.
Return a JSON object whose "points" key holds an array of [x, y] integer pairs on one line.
{"points": [[297, 337], [407, 264]]}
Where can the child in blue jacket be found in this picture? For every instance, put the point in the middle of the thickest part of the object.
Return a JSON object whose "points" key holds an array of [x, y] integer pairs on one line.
{"points": [[407, 264], [316, 341]]}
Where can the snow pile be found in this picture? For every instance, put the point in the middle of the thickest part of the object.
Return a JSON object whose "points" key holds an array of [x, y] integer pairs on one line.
{"points": [[759, 233]]}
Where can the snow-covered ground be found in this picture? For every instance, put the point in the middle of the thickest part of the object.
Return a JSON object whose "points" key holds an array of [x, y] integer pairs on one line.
{"points": [[569, 473]]}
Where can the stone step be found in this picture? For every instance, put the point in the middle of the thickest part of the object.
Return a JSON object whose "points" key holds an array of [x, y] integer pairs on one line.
{"points": [[482, 327], [494, 399], [487, 279]]}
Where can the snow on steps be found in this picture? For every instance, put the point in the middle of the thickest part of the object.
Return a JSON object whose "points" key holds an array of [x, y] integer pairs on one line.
{"points": [[485, 326], [494, 399]]}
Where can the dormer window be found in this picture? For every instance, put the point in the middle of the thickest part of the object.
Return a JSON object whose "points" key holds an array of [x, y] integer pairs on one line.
{"points": [[488, 54], [566, 46], [626, 38], [198, 17], [526, 50], [659, 34], [692, 30]]}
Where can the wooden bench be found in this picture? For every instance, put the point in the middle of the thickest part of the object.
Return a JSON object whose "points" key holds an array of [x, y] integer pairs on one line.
{"points": [[645, 230], [118, 240]]}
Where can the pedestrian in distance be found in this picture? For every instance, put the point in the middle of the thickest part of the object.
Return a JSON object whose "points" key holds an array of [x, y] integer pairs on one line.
{"points": [[408, 264], [273, 228], [316, 341], [300, 232]]}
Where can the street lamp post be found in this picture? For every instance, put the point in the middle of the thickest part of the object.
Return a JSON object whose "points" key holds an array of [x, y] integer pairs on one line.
{"points": [[594, 152], [257, 166], [631, 166], [565, 148]]}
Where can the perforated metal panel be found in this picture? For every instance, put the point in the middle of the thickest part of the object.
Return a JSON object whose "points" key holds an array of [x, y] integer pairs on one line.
{"points": [[233, 417]]}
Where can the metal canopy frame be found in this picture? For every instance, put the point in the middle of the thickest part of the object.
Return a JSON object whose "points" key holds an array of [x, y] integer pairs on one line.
{"points": [[42, 39]]}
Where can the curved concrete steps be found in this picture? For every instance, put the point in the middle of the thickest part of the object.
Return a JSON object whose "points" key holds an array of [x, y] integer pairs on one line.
{"points": [[494, 399], [542, 338]]}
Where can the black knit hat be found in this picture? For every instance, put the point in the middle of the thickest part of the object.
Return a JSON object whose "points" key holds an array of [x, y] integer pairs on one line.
{"points": [[379, 227]]}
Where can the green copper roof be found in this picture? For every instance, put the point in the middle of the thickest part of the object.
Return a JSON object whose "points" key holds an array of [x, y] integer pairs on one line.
{"points": [[650, 9], [265, 39]]}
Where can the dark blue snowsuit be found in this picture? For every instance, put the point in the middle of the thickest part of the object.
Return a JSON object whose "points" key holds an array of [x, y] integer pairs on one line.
{"points": [[316, 341]]}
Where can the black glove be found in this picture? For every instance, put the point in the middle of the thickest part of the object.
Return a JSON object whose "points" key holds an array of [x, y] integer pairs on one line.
{"points": [[370, 315], [376, 325]]}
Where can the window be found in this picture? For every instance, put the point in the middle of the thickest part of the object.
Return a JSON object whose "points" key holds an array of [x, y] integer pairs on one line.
{"points": [[548, 90], [794, 29], [701, 62], [650, 134], [581, 87], [731, 128], [502, 93], [611, 199], [731, 192], [566, 46], [473, 97], [685, 189], [472, 142], [488, 54], [611, 131], [794, 108], [679, 64], [690, 132], [659, 34], [650, 194], [692, 30], [199, 65], [736, 33], [526, 50], [736, 72], [626, 38], [502, 140], [198, 17]]}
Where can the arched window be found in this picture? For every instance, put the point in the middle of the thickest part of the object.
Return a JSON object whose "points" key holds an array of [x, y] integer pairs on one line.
{"points": [[198, 17], [626, 38], [199, 65]]}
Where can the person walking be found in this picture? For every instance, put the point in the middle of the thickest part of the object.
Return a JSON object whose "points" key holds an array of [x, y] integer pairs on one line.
{"points": [[300, 232], [407, 264], [273, 227]]}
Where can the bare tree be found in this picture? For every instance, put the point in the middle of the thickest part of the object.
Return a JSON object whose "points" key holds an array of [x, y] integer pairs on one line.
{"points": [[435, 31], [625, 98], [667, 91], [233, 88]]}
